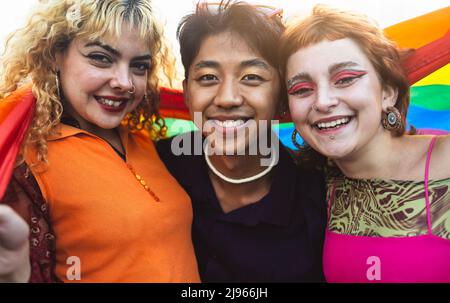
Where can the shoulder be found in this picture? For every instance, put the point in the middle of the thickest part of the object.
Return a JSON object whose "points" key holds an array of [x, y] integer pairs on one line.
{"points": [[177, 154], [309, 180], [440, 159]]}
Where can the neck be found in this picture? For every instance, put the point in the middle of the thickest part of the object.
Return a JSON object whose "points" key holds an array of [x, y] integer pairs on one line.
{"points": [[233, 196], [237, 167], [109, 135], [376, 160]]}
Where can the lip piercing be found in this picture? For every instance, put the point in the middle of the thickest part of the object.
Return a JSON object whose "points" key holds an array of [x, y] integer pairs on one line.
{"points": [[331, 137]]}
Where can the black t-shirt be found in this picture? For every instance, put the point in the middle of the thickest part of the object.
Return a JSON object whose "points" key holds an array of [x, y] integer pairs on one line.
{"points": [[277, 239]]}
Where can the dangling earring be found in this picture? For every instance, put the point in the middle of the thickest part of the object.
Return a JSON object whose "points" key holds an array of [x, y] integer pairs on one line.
{"points": [[58, 92], [392, 119], [146, 100], [294, 139]]}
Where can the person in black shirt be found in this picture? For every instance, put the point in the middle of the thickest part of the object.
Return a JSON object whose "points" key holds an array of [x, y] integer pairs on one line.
{"points": [[255, 219]]}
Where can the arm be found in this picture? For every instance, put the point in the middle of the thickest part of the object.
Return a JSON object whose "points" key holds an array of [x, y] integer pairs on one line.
{"points": [[14, 247], [24, 197]]}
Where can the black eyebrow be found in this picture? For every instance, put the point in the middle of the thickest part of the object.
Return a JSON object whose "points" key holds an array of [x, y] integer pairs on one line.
{"points": [[105, 47], [255, 63], [115, 51], [206, 64], [145, 57]]}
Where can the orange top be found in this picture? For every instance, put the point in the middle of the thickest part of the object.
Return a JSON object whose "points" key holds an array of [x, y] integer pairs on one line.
{"points": [[102, 214]]}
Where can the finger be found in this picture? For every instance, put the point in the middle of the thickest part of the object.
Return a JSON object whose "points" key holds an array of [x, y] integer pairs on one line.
{"points": [[14, 230]]}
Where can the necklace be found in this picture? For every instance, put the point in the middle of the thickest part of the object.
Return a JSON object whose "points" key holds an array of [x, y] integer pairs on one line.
{"points": [[243, 180], [142, 182]]}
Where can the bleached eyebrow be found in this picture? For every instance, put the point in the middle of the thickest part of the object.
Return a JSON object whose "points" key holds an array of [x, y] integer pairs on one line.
{"points": [[337, 66]]}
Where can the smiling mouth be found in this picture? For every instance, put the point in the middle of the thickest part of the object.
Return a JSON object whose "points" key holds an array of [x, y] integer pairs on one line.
{"points": [[110, 103], [329, 125], [230, 123]]}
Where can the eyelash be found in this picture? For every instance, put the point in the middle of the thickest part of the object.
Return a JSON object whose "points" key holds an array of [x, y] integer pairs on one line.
{"points": [[301, 89], [346, 78], [143, 70], [342, 80], [254, 76], [99, 60], [207, 79], [211, 79]]}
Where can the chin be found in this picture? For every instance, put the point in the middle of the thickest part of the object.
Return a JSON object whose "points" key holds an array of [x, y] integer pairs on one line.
{"points": [[337, 154], [334, 151], [108, 124], [232, 148]]}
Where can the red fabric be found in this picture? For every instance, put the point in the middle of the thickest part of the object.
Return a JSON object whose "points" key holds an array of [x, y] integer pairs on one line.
{"points": [[427, 59], [12, 132]]}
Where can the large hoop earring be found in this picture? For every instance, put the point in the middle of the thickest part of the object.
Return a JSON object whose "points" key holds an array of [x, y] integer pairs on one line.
{"points": [[294, 139], [392, 119]]}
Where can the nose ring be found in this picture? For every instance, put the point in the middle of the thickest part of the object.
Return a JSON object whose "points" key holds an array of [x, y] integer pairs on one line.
{"points": [[133, 88], [313, 107]]}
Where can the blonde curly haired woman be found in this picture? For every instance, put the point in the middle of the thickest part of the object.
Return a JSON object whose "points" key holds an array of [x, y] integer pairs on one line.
{"points": [[100, 204]]}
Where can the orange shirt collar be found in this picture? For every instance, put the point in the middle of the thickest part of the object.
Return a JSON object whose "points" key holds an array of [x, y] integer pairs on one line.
{"points": [[64, 131]]}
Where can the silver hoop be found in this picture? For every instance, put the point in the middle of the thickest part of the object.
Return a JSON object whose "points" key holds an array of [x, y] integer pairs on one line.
{"points": [[313, 107]]}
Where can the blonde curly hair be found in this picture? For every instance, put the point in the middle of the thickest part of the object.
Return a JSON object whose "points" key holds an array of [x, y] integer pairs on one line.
{"points": [[30, 54]]}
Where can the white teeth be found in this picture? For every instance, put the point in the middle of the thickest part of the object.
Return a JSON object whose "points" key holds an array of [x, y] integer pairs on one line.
{"points": [[332, 124], [110, 102], [229, 123]]}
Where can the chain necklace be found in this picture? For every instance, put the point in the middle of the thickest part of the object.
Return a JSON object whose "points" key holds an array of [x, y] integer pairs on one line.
{"points": [[143, 184]]}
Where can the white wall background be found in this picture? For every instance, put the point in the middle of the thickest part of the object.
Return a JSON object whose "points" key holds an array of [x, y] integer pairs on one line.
{"points": [[387, 12]]}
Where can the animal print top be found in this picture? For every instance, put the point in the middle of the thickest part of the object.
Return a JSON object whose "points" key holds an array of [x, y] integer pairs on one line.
{"points": [[387, 208]]}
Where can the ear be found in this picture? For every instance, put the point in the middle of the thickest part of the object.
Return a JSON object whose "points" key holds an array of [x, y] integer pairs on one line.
{"points": [[389, 97]]}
